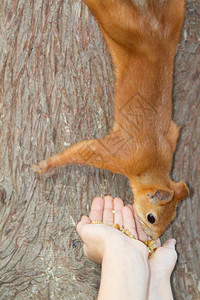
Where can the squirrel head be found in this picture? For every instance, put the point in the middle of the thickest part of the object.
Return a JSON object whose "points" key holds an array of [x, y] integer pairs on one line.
{"points": [[156, 207]]}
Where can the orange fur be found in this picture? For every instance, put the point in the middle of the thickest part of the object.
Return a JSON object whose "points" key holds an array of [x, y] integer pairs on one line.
{"points": [[142, 37]]}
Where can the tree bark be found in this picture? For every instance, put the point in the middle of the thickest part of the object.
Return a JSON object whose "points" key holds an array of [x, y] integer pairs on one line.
{"points": [[56, 89]]}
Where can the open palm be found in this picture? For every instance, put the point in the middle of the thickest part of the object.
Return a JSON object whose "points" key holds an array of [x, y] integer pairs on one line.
{"points": [[111, 211]]}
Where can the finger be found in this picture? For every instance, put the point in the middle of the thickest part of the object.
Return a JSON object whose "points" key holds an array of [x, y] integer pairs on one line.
{"points": [[158, 243], [108, 210], [141, 234], [129, 221], [118, 205], [84, 221], [96, 212], [170, 244]]}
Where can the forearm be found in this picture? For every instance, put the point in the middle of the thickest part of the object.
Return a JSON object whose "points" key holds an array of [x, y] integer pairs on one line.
{"points": [[124, 275], [160, 288]]}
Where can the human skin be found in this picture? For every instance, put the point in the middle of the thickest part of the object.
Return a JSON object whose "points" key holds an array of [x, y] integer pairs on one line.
{"points": [[127, 272]]}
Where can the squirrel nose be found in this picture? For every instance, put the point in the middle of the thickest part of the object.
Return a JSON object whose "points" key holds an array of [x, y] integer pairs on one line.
{"points": [[155, 236]]}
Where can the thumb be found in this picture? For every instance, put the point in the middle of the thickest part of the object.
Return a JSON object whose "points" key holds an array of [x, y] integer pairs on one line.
{"points": [[170, 244], [84, 221]]}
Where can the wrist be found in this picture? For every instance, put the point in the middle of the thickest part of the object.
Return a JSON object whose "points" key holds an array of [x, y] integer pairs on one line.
{"points": [[158, 273], [159, 286], [125, 270], [158, 279]]}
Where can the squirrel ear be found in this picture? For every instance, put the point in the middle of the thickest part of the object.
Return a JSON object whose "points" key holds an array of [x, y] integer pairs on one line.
{"points": [[181, 190], [161, 196]]}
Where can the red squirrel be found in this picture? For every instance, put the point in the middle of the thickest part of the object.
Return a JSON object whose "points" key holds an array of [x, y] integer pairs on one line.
{"points": [[142, 37]]}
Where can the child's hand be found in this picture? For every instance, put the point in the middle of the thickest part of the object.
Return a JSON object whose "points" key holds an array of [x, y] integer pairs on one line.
{"points": [[97, 238], [100, 238], [161, 264], [107, 245]]}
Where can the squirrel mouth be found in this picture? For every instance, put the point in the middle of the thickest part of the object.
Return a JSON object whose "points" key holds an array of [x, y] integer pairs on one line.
{"points": [[144, 224]]}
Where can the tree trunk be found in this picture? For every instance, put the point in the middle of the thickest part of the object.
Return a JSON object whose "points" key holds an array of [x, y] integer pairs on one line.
{"points": [[56, 89]]}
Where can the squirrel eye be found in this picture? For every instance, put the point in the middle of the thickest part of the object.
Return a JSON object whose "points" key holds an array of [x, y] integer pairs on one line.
{"points": [[151, 218]]}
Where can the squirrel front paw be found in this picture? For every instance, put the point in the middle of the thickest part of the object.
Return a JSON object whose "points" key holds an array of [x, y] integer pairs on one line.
{"points": [[42, 167]]}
